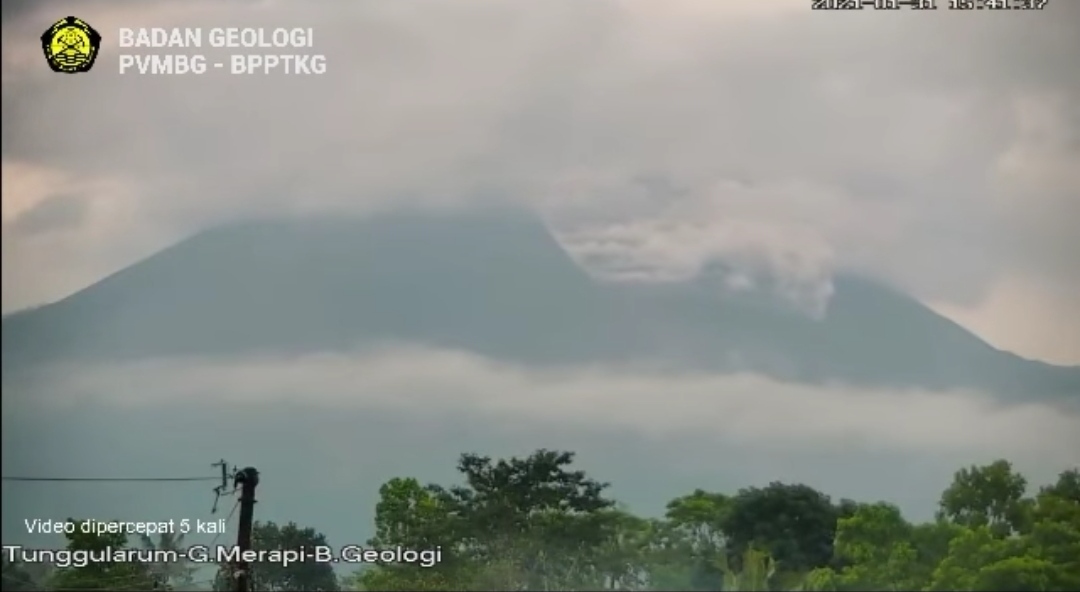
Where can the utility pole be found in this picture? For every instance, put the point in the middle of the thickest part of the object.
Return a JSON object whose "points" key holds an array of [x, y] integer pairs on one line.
{"points": [[246, 480]]}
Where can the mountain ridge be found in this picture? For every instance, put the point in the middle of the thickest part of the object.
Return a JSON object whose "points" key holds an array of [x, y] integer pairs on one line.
{"points": [[495, 282]]}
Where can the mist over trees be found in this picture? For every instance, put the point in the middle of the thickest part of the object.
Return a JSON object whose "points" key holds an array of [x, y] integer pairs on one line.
{"points": [[536, 523]]}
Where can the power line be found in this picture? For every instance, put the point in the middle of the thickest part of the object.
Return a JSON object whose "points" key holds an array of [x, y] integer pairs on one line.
{"points": [[112, 479], [138, 581], [227, 519]]}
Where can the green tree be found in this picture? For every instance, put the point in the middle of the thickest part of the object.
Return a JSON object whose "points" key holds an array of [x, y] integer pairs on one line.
{"points": [[931, 541], [534, 524], [412, 516], [1067, 487], [979, 559], [534, 515], [101, 570], [1055, 532], [695, 529], [623, 559], [794, 524], [304, 576], [16, 577], [875, 546], [177, 575], [520, 523], [667, 559], [757, 573], [990, 495], [1040, 553]]}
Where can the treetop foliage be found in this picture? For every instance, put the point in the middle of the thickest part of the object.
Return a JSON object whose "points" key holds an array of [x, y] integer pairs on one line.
{"points": [[535, 523]]}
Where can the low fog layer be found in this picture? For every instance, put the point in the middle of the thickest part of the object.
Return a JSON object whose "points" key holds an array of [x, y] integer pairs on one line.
{"points": [[328, 429]]}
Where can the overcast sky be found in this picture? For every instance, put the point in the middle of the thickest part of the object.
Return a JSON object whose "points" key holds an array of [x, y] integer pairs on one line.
{"points": [[939, 151]]}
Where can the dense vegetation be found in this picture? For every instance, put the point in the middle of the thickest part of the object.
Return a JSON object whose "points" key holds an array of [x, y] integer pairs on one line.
{"points": [[536, 524]]}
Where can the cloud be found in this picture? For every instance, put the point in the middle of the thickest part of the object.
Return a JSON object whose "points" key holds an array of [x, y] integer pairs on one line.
{"points": [[15, 9], [743, 410], [91, 234], [56, 213], [685, 125], [326, 430]]}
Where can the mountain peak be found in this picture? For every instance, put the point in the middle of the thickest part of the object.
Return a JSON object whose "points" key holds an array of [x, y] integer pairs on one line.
{"points": [[496, 282]]}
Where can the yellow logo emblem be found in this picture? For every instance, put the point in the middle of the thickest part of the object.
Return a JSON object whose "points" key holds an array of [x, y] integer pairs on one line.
{"points": [[70, 46]]}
